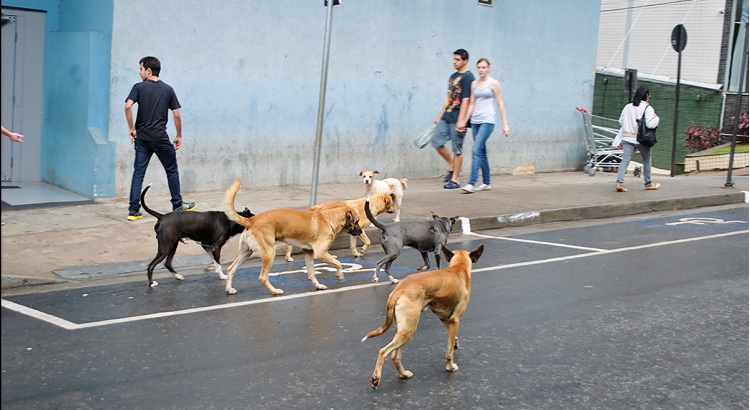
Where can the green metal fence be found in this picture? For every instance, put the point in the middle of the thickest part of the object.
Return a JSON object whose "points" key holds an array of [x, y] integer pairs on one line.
{"points": [[697, 105]]}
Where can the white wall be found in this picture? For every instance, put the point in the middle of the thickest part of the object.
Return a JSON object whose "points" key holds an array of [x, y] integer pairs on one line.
{"points": [[637, 34], [247, 74]]}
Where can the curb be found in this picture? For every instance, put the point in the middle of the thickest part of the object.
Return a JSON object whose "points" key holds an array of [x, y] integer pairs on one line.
{"points": [[599, 211]]}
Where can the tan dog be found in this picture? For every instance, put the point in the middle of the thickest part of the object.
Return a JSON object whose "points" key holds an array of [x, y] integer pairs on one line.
{"points": [[390, 186], [445, 291], [313, 231], [379, 203]]}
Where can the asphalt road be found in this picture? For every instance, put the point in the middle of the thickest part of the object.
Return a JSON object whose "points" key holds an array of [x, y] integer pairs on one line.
{"points": [[633, 313]]}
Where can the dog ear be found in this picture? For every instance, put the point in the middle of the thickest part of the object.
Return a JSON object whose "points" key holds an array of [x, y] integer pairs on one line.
{"points": [[454, 220], [351, 216], [434, 215], [476, 253], [246, 213], [376, 172], [447, 254], [361, 172]]}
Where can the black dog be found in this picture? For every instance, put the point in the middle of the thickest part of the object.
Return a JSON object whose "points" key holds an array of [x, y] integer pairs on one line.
{"points": [[424, 236], [211, 229]]}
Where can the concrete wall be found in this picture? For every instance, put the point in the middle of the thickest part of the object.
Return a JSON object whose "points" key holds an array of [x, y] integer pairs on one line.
{"points": [[247, 74], [75, 153]]}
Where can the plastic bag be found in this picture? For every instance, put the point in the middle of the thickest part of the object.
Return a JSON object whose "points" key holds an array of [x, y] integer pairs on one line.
{"points": [[425, 137], [618, 139]]}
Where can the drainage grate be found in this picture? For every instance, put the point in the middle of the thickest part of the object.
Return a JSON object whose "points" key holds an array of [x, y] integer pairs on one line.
{"points": [[11, 186]]}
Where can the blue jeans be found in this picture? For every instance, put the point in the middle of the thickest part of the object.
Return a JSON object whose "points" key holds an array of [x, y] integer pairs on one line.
{"points": [[627, 154], [479, 160], [166, 153]]}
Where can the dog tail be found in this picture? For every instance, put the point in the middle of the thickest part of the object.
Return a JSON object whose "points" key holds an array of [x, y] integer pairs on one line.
{"points": [[371, 217], [229, 203], [146, 208], [390, 314], [403, 183]]}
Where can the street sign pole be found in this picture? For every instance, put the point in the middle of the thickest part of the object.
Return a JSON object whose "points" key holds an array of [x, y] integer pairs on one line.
{"points": [[321, 104], [679, 40], [740, 88]]}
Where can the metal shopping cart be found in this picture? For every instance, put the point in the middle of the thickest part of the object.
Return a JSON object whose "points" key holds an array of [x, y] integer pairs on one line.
{"points": [[600, 133]]}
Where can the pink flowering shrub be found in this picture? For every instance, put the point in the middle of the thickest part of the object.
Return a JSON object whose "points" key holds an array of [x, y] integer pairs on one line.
{"points": [[699, 138], [741, 126]]}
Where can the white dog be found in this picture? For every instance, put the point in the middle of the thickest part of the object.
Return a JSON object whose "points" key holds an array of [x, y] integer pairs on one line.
{"points": [[389, 186]]}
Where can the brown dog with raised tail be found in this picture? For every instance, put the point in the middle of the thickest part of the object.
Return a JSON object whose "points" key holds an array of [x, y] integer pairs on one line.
{"points": [[311, 230], [446, 292]]}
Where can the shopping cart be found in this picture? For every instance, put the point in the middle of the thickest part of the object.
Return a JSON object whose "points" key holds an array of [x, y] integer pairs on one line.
{"points": [[600, 133]]}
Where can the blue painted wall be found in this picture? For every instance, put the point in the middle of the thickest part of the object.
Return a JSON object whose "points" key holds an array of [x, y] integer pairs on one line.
{"points": [[248, 76], [75, 153]]}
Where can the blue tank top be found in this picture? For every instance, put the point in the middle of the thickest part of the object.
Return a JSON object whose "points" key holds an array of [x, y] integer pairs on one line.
{"points": [[484, 105]]}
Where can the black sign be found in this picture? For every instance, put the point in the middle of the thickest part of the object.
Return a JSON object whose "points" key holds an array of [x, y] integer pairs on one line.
{"points": [[679, 38], [631, 80]]}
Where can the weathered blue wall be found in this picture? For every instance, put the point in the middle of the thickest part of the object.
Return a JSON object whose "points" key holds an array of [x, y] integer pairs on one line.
{"points": [[75, 153], [247, 74]]}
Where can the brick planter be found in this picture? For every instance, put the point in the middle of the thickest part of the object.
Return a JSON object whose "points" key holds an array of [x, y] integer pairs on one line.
{"points": [[702, 161]]}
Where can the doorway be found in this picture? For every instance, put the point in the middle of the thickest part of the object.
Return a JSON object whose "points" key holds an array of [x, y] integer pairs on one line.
{"points": [[22, 73]]}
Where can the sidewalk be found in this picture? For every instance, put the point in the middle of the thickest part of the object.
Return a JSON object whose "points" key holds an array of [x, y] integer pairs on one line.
{"points": [[75, 243]]}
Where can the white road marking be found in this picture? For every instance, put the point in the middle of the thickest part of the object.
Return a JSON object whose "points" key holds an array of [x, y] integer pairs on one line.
{"points": [[65, 324], [562, 245]]}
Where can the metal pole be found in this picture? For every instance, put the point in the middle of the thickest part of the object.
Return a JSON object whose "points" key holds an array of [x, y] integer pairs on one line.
{"points": [[676, 115], [321, 105], [730, 183]]}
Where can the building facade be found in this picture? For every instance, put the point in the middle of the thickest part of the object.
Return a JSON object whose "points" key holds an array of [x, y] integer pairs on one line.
{"points": [[248, 76]]}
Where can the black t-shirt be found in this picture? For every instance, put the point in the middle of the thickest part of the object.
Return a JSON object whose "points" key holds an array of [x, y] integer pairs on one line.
{"points": [[155, 99], [459, 87]]}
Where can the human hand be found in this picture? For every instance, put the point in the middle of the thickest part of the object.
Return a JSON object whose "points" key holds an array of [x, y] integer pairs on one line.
{"points": [[15, 137], [177, 142], [506, 130], [132, 135]]}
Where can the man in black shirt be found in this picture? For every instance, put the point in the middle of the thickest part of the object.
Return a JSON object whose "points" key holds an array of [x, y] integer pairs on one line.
{"points": [[149, 134]]}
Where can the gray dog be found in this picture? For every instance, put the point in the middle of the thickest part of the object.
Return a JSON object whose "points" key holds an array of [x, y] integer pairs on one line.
{"points": [[424, 236]]}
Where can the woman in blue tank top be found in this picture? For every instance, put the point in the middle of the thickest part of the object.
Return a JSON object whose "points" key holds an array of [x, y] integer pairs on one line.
{"points": [[485, 94]]}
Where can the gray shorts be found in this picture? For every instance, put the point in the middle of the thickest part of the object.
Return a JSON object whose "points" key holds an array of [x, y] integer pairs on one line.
{"points": [[445, 132]]}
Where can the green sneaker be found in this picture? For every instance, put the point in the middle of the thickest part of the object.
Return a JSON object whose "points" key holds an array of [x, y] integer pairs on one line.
{"points": [[134, 217], [186, 206]]}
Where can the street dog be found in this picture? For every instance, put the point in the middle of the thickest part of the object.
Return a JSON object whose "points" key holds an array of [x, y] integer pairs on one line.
{"points": [[424, 236], [390, 186], [210, 229], [313, 231], [380, 203], [446, 292]]}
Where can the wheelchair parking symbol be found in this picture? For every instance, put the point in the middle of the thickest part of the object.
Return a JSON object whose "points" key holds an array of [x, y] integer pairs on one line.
{"points": [[703, 221], [346, 267], [295, 273]]}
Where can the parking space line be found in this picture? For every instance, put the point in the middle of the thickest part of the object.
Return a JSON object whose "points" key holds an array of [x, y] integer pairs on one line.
{"points": [[65, 324], [606, 251], [561, 245]]}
